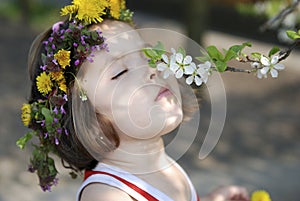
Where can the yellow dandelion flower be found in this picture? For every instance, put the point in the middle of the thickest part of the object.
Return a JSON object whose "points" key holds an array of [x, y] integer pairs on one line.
{"points": [[69, 10], [57, 76], [60, 79], [260, 196], [63, 58], [43, 83], [90, 11], [62, 85], [115, 8], [26, 114]]}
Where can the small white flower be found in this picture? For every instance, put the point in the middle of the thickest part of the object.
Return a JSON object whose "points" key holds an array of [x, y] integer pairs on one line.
{"points": [[271, 66], [200, 75], [204, 70], [183, 65], [165, 65], [255, 65], [260, 75]]}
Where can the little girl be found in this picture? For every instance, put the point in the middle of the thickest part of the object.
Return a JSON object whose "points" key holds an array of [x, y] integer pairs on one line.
{"points": [[97, 104]]}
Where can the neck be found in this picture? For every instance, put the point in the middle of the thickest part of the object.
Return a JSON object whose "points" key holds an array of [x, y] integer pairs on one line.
{"points": [[139, 156]]}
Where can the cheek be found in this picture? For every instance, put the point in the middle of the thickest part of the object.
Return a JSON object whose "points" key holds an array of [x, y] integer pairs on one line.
{"points": [[142, 117]]}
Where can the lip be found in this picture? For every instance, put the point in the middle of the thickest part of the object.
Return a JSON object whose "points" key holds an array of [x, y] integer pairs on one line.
{"points": [[163, 92]]}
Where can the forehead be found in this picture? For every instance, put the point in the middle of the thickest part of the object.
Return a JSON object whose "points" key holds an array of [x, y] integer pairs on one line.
{"points": [[121, 38]]}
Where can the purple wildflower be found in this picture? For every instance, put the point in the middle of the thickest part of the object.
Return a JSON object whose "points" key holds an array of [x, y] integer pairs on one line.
{"points": [[56, 141], [55, 120], [62, 110], [55, 181], [59, 130], [90, 59], [65, 97], [43, 123], [53, 46], [75, 44], [45, 135], [77, 62], [44, 67], [56, 26], [54, 61], [50, 39], [46, 187], [66, 132], [55, 110]]}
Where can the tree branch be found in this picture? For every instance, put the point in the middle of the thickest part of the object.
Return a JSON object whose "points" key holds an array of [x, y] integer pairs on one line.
{"points": [[280, 17], [285, 53]]}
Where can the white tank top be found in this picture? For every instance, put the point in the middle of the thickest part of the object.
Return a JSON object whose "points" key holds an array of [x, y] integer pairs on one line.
{"points": [[129, 183]]}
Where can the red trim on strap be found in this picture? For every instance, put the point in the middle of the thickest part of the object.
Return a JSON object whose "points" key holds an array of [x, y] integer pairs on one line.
{"points": [[145, 194]]}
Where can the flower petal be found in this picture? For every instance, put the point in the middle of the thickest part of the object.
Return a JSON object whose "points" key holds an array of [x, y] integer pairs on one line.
{"points": [[188, 70], [187, 60], [279, 66], [165, 58], [207, 65], [274, 73], [179, 73], [189, 80], [161, 66], [274, 60], [265, 61], [166, 73], [198, 80], [179, 57], [174, 67], [264, 70]]}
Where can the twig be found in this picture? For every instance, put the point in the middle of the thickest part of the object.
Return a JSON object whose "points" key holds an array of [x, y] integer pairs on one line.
{"points": [[280, 17], [238, 70], [285, 53]]}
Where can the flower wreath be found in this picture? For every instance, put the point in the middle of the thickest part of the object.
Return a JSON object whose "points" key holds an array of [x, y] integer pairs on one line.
{"points": [[71, 43]]}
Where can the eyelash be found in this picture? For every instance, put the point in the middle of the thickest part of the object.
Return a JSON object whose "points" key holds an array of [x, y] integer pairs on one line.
{"points": [[119, 74]]}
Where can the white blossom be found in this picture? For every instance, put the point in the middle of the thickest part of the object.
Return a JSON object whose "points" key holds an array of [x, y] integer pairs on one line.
{"points": [[200, 74], [165, 65], [183, 65], [270, 65]]}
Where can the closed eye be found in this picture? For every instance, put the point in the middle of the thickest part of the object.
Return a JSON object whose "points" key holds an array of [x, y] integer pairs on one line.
{"points": [[119, 74]]}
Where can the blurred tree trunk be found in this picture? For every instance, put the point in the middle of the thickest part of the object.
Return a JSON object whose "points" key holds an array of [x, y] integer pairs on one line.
{"points": [[25, 9], [197, 18]]}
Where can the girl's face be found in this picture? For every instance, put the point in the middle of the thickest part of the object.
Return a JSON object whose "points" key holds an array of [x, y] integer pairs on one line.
{"points": [[121, 86]]}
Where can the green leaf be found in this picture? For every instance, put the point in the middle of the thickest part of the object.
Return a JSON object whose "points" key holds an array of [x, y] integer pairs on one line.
{"points": [[292, 34], [230, 54], [21, 142], [220, 66], [203, 58], [159, 48], [48, 117], [274, 50], [182, 51], [150, 53], [238, 48], [256, 55], [214, 53], [152, 63]]}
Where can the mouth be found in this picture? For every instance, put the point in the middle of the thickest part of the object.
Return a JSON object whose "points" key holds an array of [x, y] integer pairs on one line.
{"points": [[163, 92]]}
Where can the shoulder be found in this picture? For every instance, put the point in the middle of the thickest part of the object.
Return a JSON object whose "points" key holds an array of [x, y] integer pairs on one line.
{"points": [[103, 192]]}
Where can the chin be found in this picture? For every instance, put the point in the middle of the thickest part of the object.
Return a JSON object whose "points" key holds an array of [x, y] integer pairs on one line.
{"points": [[172, 122]]}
